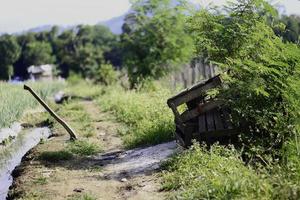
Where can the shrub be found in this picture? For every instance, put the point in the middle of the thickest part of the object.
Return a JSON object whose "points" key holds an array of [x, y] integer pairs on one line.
{"points": [[106, 75], [263, 78]]}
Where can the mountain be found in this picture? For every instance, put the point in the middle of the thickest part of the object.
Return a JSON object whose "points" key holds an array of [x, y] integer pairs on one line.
{"points": [[40, 29], [114, 24]]}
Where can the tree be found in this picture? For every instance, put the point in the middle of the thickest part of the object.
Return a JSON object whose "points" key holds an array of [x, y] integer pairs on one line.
{"points": [[291, 33], [9, 53], [82, 49], [38, 53], [154, 39]]}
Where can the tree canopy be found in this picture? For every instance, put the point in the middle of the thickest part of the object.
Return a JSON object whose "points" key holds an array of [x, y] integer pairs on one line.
{"points": [[9, 53], [154, 38]]}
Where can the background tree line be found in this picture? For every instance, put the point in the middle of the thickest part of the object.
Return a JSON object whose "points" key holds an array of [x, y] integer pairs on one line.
{"points": [[155, 40], [81, 50]]}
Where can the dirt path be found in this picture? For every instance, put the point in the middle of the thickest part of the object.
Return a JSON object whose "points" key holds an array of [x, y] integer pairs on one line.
{"points": [[93, 176]]}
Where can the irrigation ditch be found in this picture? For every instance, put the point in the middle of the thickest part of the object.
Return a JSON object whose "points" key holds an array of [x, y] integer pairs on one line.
{"points": [[13, 148]]}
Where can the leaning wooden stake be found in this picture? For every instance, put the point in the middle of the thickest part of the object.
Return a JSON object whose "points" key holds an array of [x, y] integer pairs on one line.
{"points": [[52, 113]]}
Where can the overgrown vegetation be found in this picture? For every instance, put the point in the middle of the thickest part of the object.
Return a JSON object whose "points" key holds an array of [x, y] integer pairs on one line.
{"points": [[263, 79], [83, 148], [148, 118], [55, 156], [262, 91], [15, 100], [220, 173], [78, 118]]}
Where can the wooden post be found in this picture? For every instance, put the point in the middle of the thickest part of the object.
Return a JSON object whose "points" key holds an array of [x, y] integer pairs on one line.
{"points": [[52, 113]]}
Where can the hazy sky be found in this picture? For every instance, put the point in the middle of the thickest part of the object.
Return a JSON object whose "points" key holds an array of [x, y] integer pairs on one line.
{"points": [[19, 15]]}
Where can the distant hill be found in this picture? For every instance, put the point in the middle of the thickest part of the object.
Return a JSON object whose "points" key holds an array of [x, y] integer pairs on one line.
{"points": [[40, 29], [115, 24]]}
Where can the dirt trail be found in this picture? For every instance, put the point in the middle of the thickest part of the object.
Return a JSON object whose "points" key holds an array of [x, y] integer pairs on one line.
{"points": [[94, 176]]}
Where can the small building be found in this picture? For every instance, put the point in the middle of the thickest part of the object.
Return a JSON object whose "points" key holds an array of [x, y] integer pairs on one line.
{"points": [[41, 73]]}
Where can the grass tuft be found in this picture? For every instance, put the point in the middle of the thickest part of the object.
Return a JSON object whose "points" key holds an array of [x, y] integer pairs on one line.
{"points": [[220, 173], [55, 156], [146, 114], [83, 148]]}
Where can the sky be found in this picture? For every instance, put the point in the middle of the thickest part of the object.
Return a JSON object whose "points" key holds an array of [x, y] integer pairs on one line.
{"points": [[20, 15]]}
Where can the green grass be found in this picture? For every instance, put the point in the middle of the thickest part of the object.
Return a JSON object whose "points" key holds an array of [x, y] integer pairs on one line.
{"points": [[83, 148], [83, 89], [146, 114], [55, 156], [78, 118], [14, 100], [82, 197], [40, 181], [219, 173]]}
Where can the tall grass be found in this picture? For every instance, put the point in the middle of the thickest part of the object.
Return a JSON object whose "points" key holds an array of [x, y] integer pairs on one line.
{"points": [[145, 112], [220, 173], [14, 100]]}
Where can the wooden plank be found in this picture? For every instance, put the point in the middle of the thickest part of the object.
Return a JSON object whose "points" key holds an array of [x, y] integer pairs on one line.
{"points": [[195, 91], [180, 139], [188, 133], [210, 121], [215, 134], [202, 124], [218, 121], [202, 108], [195, 102]]}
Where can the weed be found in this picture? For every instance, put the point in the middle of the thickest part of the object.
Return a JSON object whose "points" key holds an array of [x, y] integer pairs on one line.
{"points": [[83, 148], [40, 181], [54, 156], [220, 173], [146, 114], [78, 118], [83, 89], [96, 169], [82, 197]]}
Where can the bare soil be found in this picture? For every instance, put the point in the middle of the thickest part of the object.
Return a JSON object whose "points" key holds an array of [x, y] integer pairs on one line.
{"points": [[82, 176]]}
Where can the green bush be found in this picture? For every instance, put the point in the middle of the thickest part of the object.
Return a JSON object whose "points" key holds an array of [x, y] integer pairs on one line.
{"points": [[106, 74], [263, 77], [146, 113]]}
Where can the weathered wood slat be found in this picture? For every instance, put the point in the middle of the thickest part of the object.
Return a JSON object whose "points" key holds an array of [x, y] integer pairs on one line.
{"points": [[202, 108], [215, 134], [195, 91], [210, 121], [202, 124], [218, 121]]}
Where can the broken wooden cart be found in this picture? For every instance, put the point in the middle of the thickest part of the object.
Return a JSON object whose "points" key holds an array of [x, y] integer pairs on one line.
{"points": [[204, 119]]}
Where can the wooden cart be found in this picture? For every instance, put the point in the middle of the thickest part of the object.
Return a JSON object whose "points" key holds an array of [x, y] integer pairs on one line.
{"points": [[204, 119]]}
